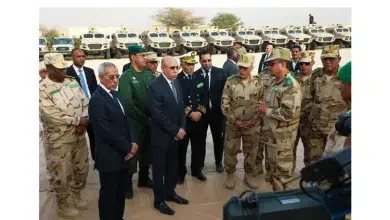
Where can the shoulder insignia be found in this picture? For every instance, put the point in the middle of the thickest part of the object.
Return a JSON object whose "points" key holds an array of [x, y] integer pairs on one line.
{"points": [[317, 70], [69, 77], [288, 81], [231, 77], [73, 85]]}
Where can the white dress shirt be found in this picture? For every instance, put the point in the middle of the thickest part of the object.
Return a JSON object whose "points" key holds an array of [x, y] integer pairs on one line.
{"points": [[76, 69], [204, 75]]}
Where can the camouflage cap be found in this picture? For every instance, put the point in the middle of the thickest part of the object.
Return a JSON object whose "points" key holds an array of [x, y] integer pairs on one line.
{"points": [[279, 53], [344, 73], [307, 56], [151, 56], [42, 66], [55, 59], [331, 51], [189, 58], [136, 49], [246, 60]]}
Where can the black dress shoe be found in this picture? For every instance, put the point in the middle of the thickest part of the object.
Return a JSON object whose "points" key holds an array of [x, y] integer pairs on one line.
{"points": [[148, 183], [181, 180], [200, 176], [164, 208], [219, 168], [179, 200]]}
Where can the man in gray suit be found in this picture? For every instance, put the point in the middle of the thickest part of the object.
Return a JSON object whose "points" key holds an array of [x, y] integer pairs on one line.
{"points": [[230, 66]]}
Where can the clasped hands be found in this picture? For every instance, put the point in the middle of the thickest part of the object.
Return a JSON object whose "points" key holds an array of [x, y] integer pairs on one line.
{"points": [[80, 129], [196, 116]]}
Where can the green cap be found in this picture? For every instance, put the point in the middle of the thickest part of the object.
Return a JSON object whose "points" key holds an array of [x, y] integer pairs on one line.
{"points": [[344, 73], [136, 49]]}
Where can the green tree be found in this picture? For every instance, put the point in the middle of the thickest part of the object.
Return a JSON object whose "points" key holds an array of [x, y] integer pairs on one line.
{"points": [[226, 20], [178, 18]]}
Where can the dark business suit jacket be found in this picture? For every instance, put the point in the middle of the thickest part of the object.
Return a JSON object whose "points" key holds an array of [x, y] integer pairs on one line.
{"points": [[262, 60], [167, 115], [113, 132], [218, 79], [89, 74], [230, 68], [126, 67], [291, 69]]}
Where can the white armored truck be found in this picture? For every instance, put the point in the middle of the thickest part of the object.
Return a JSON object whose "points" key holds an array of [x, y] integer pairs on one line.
{"points": [[95, 43], [295, 36], [272, 36], [341, 33], [188, 40], [121, 40], [247, 38], [43, 47], [63, 44], [320, 37], [217, 39], [156, 40]]}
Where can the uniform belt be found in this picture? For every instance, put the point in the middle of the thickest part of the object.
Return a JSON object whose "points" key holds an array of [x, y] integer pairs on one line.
{"points": [[282, 124]]}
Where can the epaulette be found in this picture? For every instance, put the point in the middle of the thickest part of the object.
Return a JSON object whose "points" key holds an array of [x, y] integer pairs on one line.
{"points": [[288, 81], [231, 77], [70, 77], [317, 70]]}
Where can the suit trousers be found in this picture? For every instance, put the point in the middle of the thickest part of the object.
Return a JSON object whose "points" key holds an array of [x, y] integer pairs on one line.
{"points": [[112, 194], [217, 125], [165, 170], [198, 149]]}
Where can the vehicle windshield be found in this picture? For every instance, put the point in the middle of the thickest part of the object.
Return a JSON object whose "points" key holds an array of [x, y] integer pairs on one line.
{"points": [[314, 31], [345, 30], [122, 35], [291, 32], [162, 35], [42, 42], [249, 32], [275, 32], [223, 33], [267, 32], [99, 35], [214, 34], [62, 41], [132, 35], [241, 33], [321, 31], [339, 30], [194, 34], [298, 31], [185, 34], [88, 36], [153, 35]]}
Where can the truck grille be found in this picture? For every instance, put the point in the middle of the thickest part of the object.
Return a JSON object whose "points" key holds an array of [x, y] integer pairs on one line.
{"points": [[280, 41], [40, 49], [226, 43], [305, 40], [197, 44], [254, 42], [165, 44], [95, 46], [63, 48], [326, 39], [131, 44]]}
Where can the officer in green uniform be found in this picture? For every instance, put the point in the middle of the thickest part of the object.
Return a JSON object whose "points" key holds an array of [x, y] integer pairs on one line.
{"points": [[133, 89]]}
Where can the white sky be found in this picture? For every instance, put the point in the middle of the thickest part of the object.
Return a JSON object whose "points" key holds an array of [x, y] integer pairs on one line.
{"points": [[140, 18]]}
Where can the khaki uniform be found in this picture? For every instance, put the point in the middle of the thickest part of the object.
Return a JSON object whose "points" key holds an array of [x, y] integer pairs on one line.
{"points": [[327, 104], [61, 105], [242, 51], [239, 101], [280, 128], [267, 78]]}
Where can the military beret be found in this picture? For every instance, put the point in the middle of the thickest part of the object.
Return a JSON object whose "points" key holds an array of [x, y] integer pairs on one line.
{"points": [[344, 73], [136, 49]]}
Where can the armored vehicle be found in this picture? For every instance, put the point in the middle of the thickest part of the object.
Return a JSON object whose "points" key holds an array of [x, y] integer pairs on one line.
{"points": [[188, 40], [217, 39]]}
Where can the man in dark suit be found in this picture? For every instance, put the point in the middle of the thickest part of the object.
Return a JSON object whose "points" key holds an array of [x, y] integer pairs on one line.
{"points": [[230, 66], [214, 79], [195, 102], [268, 50], [86, 78], [115, 144], [167, 129], [293, 66]]}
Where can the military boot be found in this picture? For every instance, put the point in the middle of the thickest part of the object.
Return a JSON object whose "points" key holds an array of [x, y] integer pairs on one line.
{"points": [[230, 182], [79, 203], [65, 211], [250, 180]]}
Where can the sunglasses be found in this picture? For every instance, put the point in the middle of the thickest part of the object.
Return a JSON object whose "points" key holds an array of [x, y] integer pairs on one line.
{"points": [[209, 60], [305, 64], [173, 67]]}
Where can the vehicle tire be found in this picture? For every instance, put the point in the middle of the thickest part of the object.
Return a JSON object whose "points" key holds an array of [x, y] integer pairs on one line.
{"points": [[182, 50], [258, 49], [212, 49], [313, 45], [118, 54], [341, 43]]}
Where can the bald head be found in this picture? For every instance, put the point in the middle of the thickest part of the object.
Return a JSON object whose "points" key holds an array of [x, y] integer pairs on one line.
{"points": [[232, 54], [268, 48], [169, 67]]}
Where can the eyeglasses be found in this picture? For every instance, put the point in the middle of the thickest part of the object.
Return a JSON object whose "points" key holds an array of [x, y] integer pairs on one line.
{"points": [[305, 64], [112, 77], [173, 67]]}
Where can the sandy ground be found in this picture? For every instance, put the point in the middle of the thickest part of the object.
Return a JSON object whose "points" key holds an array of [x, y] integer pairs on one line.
{"points": [[206, 198]]}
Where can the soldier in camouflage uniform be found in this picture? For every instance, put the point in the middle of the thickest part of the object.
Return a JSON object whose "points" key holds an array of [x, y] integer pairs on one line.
{"points": [[281, 118], [64, 109], [133, 89], [152, 63], [43, 136], [326, 99], [303, 78], [239, 98], [267, 78], [240, 48]]}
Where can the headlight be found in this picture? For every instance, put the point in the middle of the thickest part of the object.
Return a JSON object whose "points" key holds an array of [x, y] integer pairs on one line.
{"points": [[188, 42], [105, 44]]}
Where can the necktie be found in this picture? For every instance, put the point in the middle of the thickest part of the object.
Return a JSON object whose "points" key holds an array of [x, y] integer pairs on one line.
{"points": [[174, 90], [83, 83], [207, 79], [115, 97]]}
